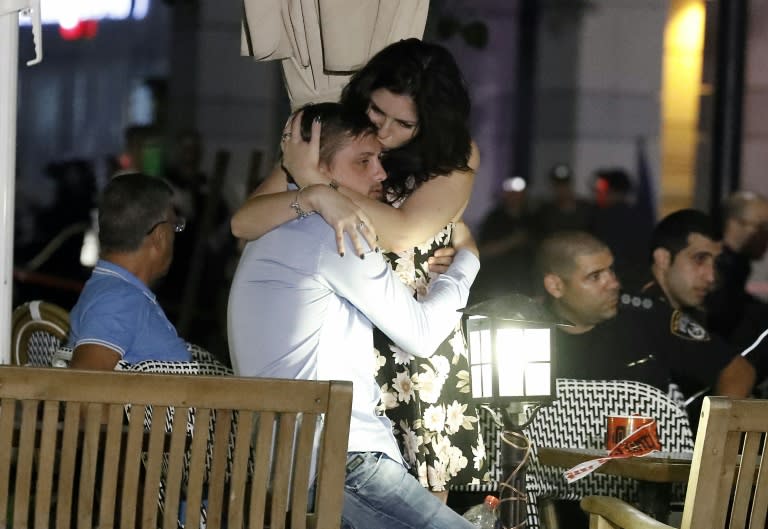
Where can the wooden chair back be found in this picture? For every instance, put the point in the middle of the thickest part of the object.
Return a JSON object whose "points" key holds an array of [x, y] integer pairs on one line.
{"points": [[69, 458], [38, 328], [728, 483]]}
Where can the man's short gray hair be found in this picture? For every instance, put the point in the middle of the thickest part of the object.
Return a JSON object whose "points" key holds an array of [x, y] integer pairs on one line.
{"points": [[128, 208]]}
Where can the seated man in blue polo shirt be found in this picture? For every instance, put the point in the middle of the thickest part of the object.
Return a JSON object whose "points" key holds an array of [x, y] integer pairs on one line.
{"points": [[117, 316]]}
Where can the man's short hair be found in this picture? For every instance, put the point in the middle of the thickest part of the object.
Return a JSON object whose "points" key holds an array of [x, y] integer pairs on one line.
{"points": [[340, 126], [557, 253], [672, 232], [128, 208]]}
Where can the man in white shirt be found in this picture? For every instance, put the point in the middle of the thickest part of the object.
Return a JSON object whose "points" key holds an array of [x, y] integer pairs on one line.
{"points": [[297, 309]]}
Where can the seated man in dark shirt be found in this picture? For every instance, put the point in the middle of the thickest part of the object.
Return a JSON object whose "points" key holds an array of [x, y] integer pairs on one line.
{"points": [[625, 337]]}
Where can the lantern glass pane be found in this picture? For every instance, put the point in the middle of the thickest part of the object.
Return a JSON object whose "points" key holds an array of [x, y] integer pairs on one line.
{"points": [[476, 381], [538, 379], [510, 357], [535, 345], [487, 380], [480, 343], [480, 356]]}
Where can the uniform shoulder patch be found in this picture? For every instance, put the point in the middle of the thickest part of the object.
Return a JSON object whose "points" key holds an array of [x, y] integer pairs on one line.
{"points": [[683, 326]]}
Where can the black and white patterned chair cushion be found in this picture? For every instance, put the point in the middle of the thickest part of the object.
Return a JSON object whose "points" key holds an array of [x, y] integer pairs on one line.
{"points": [[195, 367], [205, 364], [40, 349]]}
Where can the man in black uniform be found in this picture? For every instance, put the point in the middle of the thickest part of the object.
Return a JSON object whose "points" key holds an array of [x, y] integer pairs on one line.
{"points": [[684, 250], [640, 339]]}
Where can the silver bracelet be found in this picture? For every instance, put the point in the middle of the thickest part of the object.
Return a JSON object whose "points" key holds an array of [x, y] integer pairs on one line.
{"points": [[300, 213]]}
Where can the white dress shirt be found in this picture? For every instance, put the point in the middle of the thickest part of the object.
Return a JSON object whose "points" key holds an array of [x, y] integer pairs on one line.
{"points": [[299, 310]]}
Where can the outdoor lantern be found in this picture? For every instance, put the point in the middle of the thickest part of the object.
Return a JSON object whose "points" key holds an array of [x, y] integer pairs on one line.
{"points": [[511, 358], [511, 351]]}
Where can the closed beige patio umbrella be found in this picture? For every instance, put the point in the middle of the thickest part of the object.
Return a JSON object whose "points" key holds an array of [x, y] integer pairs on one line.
{"points": [[321, 42]]}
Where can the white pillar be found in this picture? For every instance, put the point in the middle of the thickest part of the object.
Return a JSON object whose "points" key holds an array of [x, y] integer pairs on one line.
{"points": [[9, 52]]}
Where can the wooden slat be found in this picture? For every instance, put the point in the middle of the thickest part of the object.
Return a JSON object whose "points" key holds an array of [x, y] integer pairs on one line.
{"points": [[24, 464], [241, 453], [67, 461], [760, 502], [333, 455], [301, 469], [284, 446], [219, 467], [261, 468], [744, 480], [89, 454], [154, 465], [131, 467], [727, 462], [111, 466], [46, 462], [175, 468], [197, 467], [7, 417]]}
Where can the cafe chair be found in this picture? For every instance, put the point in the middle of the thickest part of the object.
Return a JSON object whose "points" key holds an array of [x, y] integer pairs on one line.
{"points": [[728, 482], [38, 328], [577, 419], [68, 457]]}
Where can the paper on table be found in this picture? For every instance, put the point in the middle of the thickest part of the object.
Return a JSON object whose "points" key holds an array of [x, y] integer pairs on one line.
{"points": [[641, 442]]}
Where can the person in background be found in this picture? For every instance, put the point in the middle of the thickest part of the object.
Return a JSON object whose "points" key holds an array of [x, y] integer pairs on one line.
{"points": [[506, 242], [138, 153], [205, 239], [618, 220], [298, 309], [565, 210], [117, 316], [730, 310]]}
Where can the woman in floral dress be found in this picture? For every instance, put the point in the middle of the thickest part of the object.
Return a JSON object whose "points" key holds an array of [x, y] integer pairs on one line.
{"points": [[428, 399], [414, 94]]}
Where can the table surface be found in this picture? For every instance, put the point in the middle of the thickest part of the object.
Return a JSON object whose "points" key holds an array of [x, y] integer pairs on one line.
{"points": [[658, 467]]}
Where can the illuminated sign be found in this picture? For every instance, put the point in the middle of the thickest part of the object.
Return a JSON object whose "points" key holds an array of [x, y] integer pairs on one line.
{"points": [[69, 14]]}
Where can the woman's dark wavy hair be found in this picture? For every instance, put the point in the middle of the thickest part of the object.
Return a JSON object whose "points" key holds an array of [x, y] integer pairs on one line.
{"points": [[428, 74]]}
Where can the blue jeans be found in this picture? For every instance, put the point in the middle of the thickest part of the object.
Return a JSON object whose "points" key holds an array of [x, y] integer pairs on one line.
{"points": [[379, 493]]}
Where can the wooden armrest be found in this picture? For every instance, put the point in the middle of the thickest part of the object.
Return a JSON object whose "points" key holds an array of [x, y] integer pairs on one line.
{"points": [[619, 513]]}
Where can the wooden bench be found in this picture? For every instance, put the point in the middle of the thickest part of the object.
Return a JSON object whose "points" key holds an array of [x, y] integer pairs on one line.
{"points": [[70, 458]]}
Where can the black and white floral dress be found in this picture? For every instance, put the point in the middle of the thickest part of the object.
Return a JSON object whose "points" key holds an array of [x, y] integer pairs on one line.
{"points": [[428, 399]]}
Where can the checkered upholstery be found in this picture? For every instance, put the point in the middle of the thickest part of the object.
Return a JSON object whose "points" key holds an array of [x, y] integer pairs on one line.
{"points": [[195, 367], [576, 419], [38, 329], [203, 363]]}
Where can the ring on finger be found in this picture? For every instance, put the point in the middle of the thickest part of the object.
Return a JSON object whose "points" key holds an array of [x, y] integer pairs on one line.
{"points": [[286, 135]]}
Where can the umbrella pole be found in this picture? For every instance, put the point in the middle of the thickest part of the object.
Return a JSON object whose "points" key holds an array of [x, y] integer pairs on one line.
{"points": [[9, 56], [9, 74]]}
